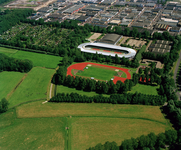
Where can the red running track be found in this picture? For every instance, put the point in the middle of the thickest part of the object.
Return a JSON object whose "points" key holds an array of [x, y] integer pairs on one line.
{"points": [[81, 66]]}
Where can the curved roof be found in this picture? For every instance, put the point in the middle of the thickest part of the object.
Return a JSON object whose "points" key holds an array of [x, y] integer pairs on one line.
{"points": [[110, 38], [131, 52]]}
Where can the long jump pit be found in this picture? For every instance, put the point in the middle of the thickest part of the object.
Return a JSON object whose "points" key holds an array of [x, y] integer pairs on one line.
{"points": [[81, 66]]}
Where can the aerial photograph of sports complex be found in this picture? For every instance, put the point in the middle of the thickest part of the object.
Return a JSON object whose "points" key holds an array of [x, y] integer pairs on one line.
{"points": [[90, 75]]}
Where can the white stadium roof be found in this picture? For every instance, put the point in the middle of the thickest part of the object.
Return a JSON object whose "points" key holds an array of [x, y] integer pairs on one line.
{"points": [[130, 52]]}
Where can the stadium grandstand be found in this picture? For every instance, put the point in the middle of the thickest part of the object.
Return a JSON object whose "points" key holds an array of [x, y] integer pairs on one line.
{"points": [[107, 49]]}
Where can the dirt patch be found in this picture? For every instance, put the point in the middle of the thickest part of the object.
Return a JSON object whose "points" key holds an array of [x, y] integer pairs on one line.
{"points": [[95, 36], [120, 73], [137, 43], [75, 71]]}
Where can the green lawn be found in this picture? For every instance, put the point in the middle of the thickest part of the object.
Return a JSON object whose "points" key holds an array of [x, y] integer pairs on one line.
{"points": [[65, 89], [34, 86], [145, 89], [8, 81], [8, 51], [98, 73], [31, 133], [42, 60]]}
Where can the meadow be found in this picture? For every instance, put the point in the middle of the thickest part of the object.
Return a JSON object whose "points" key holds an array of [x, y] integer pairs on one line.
{"points": [[41, 60], [145, 89], [34, 86], [75, 126], [31, 133], [8, 81]]}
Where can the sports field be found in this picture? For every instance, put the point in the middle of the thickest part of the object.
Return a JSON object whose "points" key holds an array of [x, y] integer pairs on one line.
{"points": [[8, 81], [145, 89], [88, 124], [34, 86], [41, 60], [97, 73]]}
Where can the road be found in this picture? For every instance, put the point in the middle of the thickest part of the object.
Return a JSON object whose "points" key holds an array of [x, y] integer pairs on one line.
{"points": [[175, 74]]}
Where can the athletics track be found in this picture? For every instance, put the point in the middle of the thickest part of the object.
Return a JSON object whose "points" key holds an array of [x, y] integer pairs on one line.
{"points": [[81, 66]]}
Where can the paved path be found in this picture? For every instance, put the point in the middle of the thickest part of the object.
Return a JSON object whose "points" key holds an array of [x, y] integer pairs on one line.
{"points": [[175, 73]]}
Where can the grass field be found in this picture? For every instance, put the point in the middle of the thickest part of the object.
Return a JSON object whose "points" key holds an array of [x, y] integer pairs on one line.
{"points": [[65, 89], [41, 60], [87, 132], [98, 73], [33, 87], [145, 89], [91, 124], [31, 133], [8, 81]]}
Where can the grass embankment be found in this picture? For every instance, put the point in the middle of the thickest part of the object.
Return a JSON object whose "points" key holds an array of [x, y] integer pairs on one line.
{"points": [[98, 73], [90, 124], [31, 133], [41, 60], [8, 81], [145, 89], [34, 86]]}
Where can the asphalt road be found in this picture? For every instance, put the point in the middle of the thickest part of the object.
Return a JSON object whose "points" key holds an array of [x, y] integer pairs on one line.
{"points": [[175, 74]]}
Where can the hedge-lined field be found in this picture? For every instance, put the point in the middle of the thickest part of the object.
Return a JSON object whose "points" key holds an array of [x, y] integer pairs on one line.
{"points": [[34, 86], [8, 81], [33, 133], [41, 60]]}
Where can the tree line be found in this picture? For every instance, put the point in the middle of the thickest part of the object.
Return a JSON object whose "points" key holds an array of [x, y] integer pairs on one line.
{"points": [[9, 18], [126, 98], [170, 138], [13, 64], [3, 105]]}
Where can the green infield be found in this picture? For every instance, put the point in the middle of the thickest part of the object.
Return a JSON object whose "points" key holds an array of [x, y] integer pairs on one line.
{"points": [[34, 86], [145, 89], [65, 89], [97, 73], [32, 133], [8, 81], [42, 60]]}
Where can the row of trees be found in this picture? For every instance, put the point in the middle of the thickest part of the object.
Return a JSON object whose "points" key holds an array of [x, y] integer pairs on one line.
{"points": [[3, 105], [127, 98], [13, 64], [173, 111], [170, 138]]}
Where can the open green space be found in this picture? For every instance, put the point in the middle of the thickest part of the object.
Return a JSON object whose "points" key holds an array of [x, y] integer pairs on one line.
{"points": [[97, 73], [8, 51], [34, 86], [65, 89], [42, 60], [145, 89], [90, 124], [31, 133], [87, 132], [8, 81]]}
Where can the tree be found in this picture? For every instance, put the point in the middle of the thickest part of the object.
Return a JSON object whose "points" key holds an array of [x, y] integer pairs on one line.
{"points": [[140, 70], [3, 105], [117, 59], [104, 87]]}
